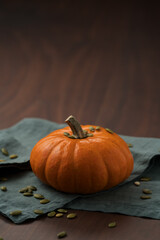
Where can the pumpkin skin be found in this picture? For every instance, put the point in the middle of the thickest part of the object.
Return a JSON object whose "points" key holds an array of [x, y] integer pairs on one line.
{"points": [[84, 166]]}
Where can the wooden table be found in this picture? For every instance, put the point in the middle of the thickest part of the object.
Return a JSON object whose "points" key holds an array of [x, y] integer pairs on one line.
{"points": [[97, 61]]}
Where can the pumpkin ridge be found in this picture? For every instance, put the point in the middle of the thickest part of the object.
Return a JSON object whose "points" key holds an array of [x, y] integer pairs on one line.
{"points": [[107, 167], [71, 144], [125, 152], [104, 163], [122, 149], [123, 157], [89, 177], [91, 172], [73, 162], [42, 177], [75, 149], [53, 148]]}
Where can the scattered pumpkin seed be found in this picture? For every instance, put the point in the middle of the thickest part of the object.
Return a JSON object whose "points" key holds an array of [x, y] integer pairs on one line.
{"points": [[23, 190], [145, 197], [38, 196], [51, 214], [109, 130], [59, 215], [92, 129], [85, 131], [2, 160], [62, 234], [44, 201], [66, 134], [61, 210], [29, 190], [137, 183], [89, 135], [38, 211], [71, 215], [13, 156], [112, 224], [1, 238], [4, 151], [72, 136], [147, 191], [33, 188], [129, 145], [145, 179], [98, 128], [16, 213], [4, 188], [27, 194]]}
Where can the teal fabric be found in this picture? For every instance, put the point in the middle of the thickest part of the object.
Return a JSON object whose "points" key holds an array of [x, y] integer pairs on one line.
{"points": [[21, 138], [124, 198], [12, 199]]}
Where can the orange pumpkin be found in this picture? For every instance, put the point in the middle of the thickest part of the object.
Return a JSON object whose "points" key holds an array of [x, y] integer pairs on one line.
{"points": [[81, 159]]}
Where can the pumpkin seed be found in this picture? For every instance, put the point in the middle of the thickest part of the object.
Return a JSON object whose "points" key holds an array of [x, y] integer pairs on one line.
{"points": [[23, 190], [27, 194], [89, 135], [4, 151], [38, 211], [92, 129], [145, 179], [16, 213], [145, 197], [147, 191], [1, 238], [29, 190], [98, 128], [38, 196], [129, 145], [66, 134], [109, 130], [112, 224], [72, 136], [137, 183], [71, 215], [51, 214], [61, 210], [59, 215], [33, 188], [4, 188], [62, 234], [13, 156], [44, 201], [2, 160], [85, 131]]}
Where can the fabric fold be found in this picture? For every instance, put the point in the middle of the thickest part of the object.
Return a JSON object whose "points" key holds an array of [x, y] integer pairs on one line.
{"points": [[124, 198]]}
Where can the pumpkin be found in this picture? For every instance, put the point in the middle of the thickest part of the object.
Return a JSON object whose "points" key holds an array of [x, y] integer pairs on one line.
{"points": [[81, 159]]}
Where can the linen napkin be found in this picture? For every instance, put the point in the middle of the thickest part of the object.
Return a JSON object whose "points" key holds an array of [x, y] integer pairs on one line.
{"points": [[12, 200], [124, 198], [21, 138]]}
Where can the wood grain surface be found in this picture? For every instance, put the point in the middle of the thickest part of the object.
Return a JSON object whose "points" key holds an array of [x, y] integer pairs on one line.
{"points": [[97, 60]]}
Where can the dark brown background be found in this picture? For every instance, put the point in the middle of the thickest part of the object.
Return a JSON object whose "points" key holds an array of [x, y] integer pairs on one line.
{"points": [[96, 60]]}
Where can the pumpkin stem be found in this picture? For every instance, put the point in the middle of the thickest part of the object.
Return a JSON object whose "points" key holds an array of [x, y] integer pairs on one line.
{"points": [[75, 127]]}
